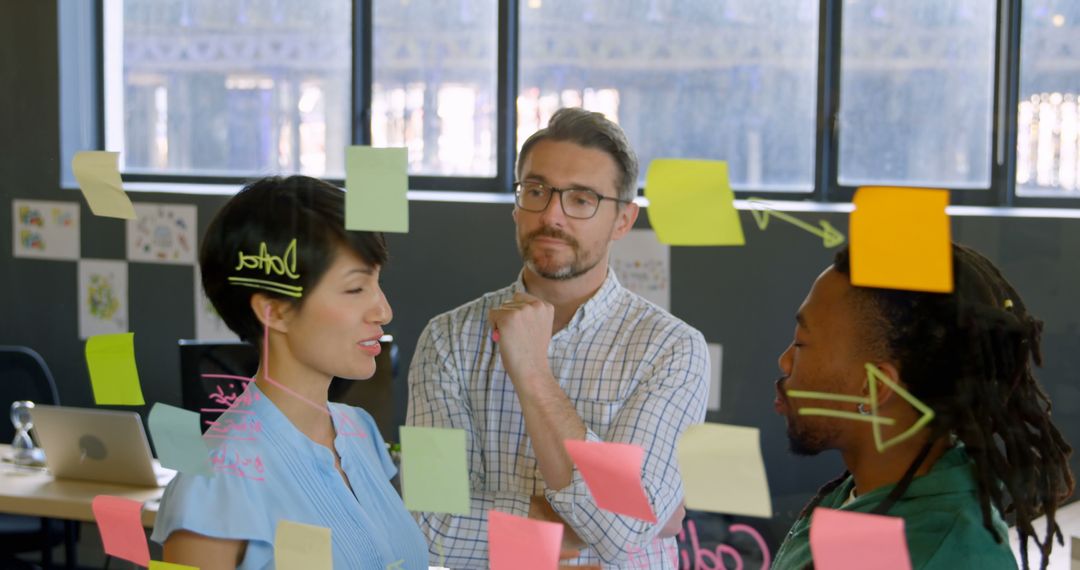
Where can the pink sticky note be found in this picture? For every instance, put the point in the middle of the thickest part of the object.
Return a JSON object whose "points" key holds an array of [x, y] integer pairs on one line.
{"points": [[613, 473], [845, 540], [516, 543], [120, 522]]}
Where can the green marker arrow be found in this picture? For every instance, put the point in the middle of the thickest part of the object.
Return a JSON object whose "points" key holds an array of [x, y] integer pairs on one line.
{"points": [[829, 235], [873, 376]]}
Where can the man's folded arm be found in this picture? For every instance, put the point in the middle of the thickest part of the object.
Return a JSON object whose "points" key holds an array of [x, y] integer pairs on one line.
{"points": [[671, 398]]}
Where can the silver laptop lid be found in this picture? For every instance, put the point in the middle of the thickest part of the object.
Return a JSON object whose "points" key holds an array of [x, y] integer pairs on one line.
{"points": [[94, 445]]}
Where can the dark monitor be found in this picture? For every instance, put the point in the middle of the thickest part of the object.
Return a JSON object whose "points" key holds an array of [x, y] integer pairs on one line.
{"points": [[205, 387]]}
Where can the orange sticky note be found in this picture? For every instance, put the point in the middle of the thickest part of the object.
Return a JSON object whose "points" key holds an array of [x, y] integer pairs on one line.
{"points": [[900, 239], [612, 472], [120, 523], [846, 540], [517, 543], [691, 203]]}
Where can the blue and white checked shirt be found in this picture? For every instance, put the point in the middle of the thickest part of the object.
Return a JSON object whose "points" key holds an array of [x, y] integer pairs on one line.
{"points": [[634, 373]]}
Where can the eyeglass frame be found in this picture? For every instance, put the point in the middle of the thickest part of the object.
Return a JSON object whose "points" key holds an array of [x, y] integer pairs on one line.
{"points": [[600, 198]]}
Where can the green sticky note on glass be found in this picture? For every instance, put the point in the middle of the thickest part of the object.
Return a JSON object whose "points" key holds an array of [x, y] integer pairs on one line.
{"points": [[299, 546], [156, 565], [691, 203], [434, 470], [98, 175], [178, 440], [113, 376], [376, 189]]}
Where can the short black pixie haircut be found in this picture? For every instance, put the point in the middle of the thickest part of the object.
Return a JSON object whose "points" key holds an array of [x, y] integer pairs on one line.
{"points": [[273, 211]]}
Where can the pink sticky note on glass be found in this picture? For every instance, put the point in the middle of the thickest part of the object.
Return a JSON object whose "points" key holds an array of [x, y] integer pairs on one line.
{"points": [[613, 473], [516, 543], [845, 540], [120, 522]]}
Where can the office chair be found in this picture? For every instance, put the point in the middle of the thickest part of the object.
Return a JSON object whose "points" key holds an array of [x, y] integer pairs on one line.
{"points": [[25, 376]]}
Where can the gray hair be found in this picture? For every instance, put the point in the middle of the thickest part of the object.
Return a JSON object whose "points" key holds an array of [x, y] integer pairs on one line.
{"points": [[590, 130]]}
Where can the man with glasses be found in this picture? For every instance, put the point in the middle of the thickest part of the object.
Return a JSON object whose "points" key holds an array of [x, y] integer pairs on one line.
{"points": [[565, 353]]}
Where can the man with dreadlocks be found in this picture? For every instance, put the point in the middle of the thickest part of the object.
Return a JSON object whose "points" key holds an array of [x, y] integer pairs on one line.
{"points": [[991, 446]]}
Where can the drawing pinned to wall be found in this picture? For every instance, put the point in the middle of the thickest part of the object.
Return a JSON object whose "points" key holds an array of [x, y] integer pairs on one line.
{"points": [[208, 323], [643, 265], [45, 229], [103, 297], [162, 233]]}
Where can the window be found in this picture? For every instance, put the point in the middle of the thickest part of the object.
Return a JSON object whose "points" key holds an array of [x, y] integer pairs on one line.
{"points": [[806, 99], [916, 93], [1047, 150], [228, 88], [434, 86], [734, 81]]}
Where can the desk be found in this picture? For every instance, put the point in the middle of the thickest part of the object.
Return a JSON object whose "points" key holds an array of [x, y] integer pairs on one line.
{"points": [[36, 493]]}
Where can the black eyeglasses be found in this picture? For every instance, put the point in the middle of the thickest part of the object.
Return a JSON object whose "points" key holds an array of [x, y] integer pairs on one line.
{"points": [[577, 203]]}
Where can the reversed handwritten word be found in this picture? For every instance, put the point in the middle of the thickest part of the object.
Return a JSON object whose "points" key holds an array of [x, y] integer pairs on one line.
{"points": [[705, 559], [271, 264], [233, 464], [225, 426]]}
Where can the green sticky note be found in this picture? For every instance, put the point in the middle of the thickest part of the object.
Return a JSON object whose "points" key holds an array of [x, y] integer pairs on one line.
{"points": [[113, 376], [178, 440], [434, 471], [98, 175], [376, 186], [299, 546], [691, 203], [157, 565]]}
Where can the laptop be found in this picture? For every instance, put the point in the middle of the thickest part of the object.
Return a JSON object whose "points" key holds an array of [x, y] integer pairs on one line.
{"points": [[91, 444]]}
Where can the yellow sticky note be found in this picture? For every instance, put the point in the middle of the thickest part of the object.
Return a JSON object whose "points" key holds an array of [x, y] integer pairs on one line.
{"points": [[157, 565], [376, 189], [691, 203], [98, 174], [723, 471], [299, 546], [900, 239], [113, 376]]}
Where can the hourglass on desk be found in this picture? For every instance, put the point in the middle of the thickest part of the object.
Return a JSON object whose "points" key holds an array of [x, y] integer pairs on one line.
{"points": [[24, 452]]}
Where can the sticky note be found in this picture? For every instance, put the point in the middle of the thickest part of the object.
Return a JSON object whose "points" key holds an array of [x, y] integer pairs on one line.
{"points": [[1075, 553], [299, 546], [846, 540], [434, 470], [376, 189], [517, 543], [691, 203], [98, 175], [900, 239], [120, 522], [723, 471], [178, 440], [157, 565], [111, 360], [612, 471]]}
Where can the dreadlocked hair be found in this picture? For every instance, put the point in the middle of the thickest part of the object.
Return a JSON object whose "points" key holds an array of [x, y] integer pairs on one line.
{"points": [[968, 355]]}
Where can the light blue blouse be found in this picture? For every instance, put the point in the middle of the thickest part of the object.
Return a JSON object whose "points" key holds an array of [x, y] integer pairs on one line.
{"points": [[267, 471]]}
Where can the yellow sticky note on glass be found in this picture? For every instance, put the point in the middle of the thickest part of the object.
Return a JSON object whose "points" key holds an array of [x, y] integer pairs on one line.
{"points": [[113, 376], [98, 174], [300, 546], [376, 189], [434, 470], [157, 565], [900, 239], [723, 471], [691, 203]]}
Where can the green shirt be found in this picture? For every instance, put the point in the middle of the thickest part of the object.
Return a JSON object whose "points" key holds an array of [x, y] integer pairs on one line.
{"points": [[942, 520]]}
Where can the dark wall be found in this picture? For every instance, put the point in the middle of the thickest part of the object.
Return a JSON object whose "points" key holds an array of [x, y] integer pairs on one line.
{"points": [[743, 298]]}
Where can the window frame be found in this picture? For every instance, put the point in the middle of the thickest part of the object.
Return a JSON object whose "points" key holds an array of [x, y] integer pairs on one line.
{"points": [[1002, 191]]}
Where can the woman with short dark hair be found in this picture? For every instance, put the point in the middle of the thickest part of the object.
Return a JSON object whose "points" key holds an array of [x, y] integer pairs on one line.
{"points": [[285, 275]]}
